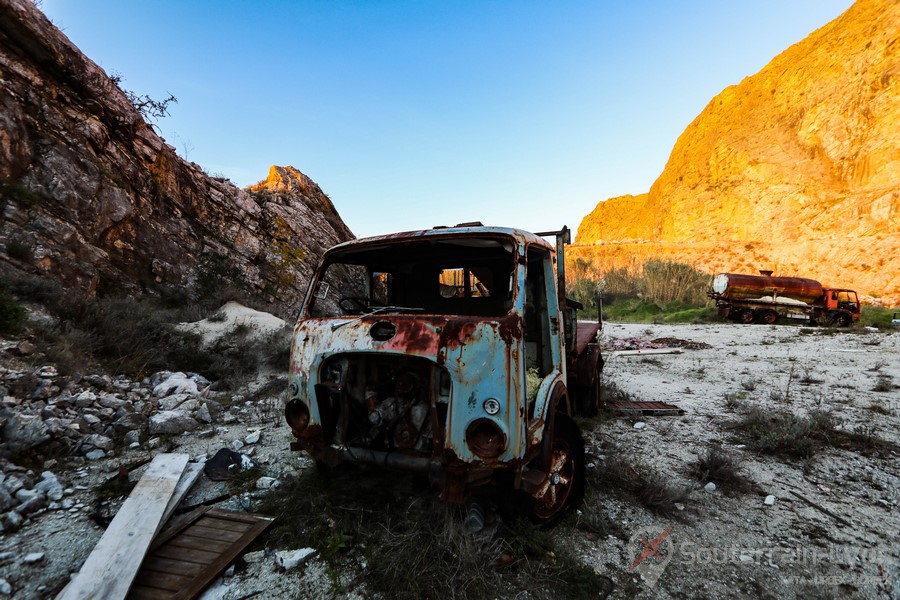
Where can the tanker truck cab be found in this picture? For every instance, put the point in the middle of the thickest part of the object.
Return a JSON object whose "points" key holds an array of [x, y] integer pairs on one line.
{"points": [[843, 306], [445, 351]]}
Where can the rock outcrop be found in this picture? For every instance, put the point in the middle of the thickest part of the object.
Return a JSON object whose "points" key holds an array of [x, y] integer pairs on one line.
{"points": [[93, 197], [797, 168]]}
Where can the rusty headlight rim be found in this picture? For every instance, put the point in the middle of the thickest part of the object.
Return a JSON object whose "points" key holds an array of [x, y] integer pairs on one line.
{"points": [[296, 413], [485, 438]]}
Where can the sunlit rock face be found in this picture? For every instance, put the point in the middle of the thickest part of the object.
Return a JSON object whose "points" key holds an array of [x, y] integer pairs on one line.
{"points": [[796, 168], [91, 196]]}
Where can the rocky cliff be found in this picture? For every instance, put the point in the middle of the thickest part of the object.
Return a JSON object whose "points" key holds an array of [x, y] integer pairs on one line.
{"points": [[797, 168], [92, 196]]}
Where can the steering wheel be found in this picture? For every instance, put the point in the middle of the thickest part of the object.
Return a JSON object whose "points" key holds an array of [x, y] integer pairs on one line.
{"points": [[353, 304]]}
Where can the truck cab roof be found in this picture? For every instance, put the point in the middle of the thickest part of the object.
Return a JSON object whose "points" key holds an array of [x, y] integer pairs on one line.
{"points": [[458, 231]]}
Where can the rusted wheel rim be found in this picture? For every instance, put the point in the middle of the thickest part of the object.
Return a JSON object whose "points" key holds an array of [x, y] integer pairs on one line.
{"points": [[554, 492]]}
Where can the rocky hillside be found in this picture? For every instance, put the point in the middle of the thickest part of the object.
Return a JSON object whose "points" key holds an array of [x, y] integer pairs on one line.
{"points": [[797, 168], [93, 197]]}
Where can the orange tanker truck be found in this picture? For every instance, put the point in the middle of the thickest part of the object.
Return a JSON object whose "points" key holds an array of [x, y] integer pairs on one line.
{"points": [[766, 299]]}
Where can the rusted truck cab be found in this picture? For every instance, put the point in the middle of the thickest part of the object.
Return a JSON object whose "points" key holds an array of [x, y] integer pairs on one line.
{"points": [[448, 351]]}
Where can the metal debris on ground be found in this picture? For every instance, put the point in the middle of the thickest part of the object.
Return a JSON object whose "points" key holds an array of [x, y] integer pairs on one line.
{"points": [[659, 409]]}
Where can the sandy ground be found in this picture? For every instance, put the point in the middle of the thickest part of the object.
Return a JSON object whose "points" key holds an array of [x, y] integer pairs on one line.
{"points": [[737, 546], [720, 545]]}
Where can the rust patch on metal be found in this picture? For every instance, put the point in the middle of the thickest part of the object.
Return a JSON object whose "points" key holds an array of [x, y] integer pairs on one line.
{"points": [[415, 336]]}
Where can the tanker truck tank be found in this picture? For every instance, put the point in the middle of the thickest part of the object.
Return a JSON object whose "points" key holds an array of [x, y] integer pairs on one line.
{"points": [[734, 286]]}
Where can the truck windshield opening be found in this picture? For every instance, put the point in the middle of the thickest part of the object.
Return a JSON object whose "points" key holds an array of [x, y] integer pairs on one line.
{"points": [[469, 277]]}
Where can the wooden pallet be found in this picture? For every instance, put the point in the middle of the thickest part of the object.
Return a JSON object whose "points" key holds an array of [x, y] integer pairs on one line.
{"points": [[193, 551]]}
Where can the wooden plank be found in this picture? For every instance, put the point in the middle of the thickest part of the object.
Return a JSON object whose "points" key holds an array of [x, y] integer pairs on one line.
{"points": [[198, 543], [113, 564], [185, 483], [200, 530], [158, 563], [186, 554]]}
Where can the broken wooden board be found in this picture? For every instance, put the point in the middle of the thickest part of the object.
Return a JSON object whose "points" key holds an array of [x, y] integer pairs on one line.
{"points": [[661, 409], [190, 554], [112, 565]]}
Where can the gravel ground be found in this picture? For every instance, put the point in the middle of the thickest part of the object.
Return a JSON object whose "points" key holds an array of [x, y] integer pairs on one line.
{"points": [[829, 529]]}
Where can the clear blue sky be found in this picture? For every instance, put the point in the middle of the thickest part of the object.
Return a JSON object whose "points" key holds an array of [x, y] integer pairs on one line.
{"points": [[415, 114]]}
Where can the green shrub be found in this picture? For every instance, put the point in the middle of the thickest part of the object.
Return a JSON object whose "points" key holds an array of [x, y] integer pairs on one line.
{"points": [[877, 316], [19, 251], [12, 314], [657, 291]]}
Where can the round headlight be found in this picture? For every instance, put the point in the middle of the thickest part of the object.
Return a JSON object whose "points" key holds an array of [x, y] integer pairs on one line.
{"points": [[296, 414], [485, 438], [491, 406]]}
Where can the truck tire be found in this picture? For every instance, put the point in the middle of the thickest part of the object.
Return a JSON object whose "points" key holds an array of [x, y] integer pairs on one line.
{"points": [[563, 488], [841, 320], [766, 316], [744, 315]]}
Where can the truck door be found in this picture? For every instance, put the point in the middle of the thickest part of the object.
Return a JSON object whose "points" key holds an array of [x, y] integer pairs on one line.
{"points": [[542, 323]]}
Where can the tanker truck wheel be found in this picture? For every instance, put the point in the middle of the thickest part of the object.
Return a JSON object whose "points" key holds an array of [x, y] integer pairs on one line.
{"points": [[767, 317], [744, 316], [841, 320]]}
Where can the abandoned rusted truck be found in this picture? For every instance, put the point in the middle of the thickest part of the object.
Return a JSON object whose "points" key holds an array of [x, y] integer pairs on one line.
{"points": [[451, 351], [766, 299]]}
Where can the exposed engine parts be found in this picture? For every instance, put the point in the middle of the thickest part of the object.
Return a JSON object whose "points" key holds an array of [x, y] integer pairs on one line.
{"points": [[386, 403]]}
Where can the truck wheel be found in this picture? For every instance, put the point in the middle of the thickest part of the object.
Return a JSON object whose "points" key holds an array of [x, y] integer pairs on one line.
{"points": [[767, 317], [841, 320], [562, 491], [744, 316]]}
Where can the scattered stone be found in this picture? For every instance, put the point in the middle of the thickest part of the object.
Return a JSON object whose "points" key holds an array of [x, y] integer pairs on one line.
{"points": [[176, 383], [770, 500], [172, 422], [640, 425], [252, 438], [5, 588], [22, 432], [710, 487], [25, 348], [254, 557], [12, 521], [266, 483], [32, 558], [96, 454], [203, 414], [679, 506], [291, 559]]}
